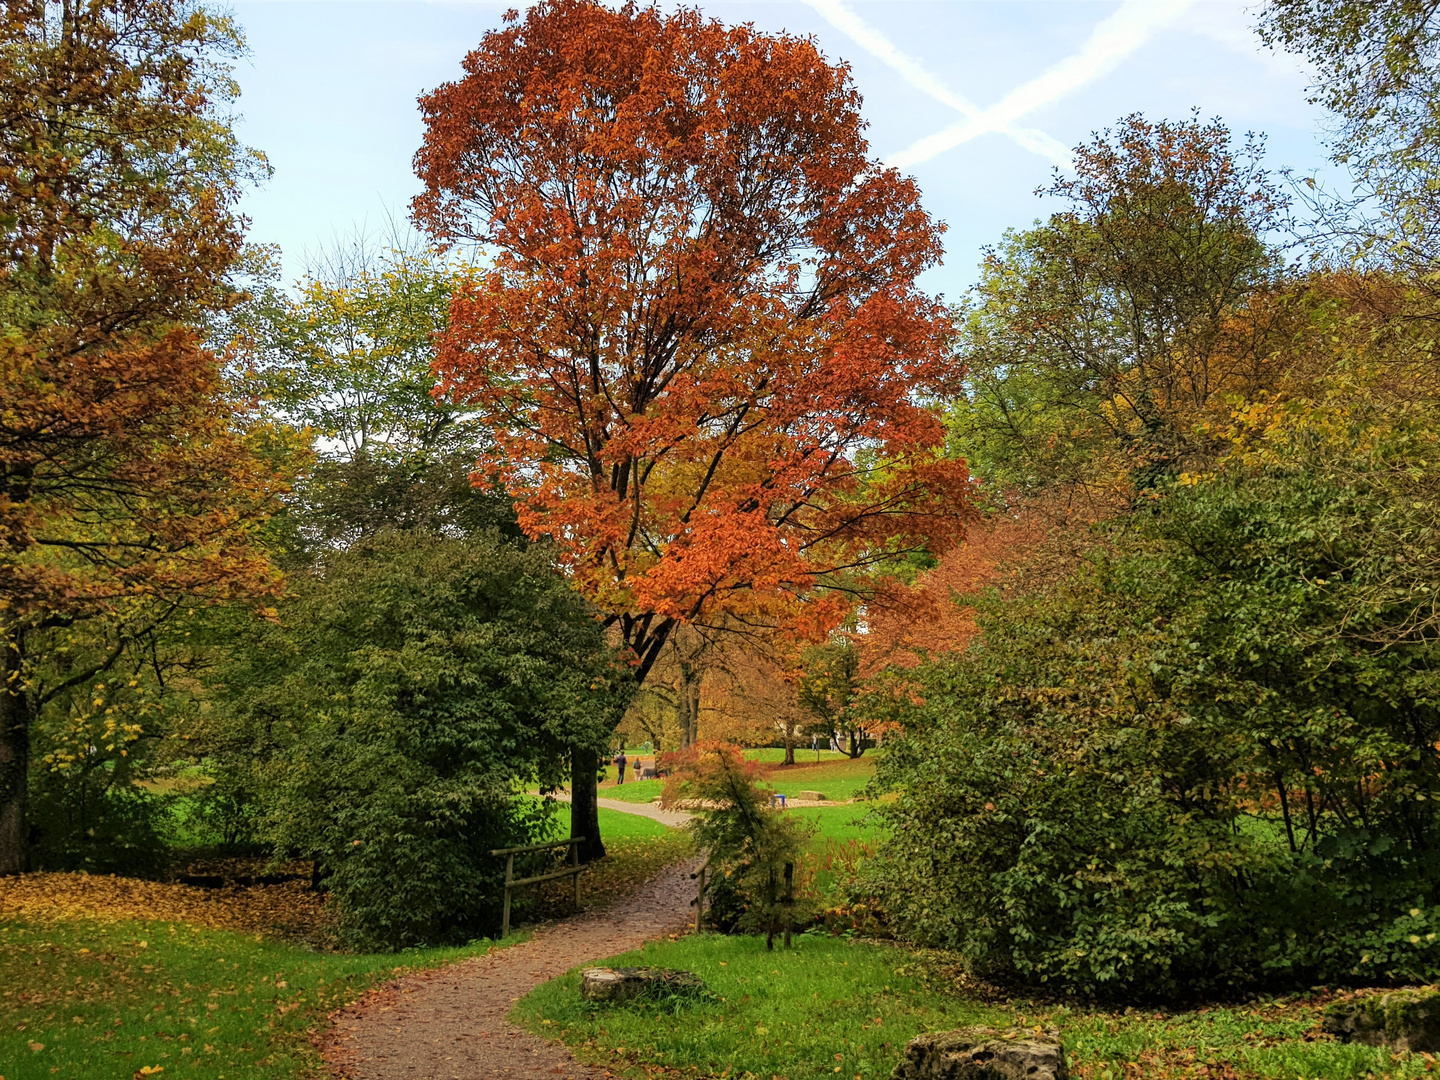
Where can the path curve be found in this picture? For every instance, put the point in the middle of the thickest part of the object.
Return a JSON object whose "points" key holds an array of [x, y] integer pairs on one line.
{"points": [[673, 818], [450, 1023]]}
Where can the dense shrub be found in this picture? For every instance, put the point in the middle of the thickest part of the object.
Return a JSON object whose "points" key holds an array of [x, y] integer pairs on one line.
{"points": [[92, 823], [1205, 763], [391, 720]]}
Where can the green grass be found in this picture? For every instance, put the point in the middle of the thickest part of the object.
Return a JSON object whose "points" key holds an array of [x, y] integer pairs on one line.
{"points": [[801, 1014], [773, 755], [839, 823], [636, 791], [616, 823], [843, 779], [831, 1009], [836, 776], [103, 1000]]}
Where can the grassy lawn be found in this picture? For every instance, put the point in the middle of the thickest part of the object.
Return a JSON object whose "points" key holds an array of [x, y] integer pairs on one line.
{"points": [[835, 775], [88, 999], [636, 791], [774, 755], [839, 823], [838, 780], [101, 977], [834, 1009], [616, 824]]}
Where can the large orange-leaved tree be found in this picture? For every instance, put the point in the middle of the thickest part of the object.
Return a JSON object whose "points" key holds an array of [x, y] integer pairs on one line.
{"points": [[698, 340]]}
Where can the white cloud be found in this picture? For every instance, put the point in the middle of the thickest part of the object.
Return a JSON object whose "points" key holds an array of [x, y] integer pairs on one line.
{"points": [[1111, 42]]}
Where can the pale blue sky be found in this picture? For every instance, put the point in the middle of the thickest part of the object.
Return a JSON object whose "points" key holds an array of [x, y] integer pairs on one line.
{"points": [[976, 98]]}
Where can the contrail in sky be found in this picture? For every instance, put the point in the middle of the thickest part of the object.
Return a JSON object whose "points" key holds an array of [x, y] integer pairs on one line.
{"points": [[914, 72], [1111, 41]]}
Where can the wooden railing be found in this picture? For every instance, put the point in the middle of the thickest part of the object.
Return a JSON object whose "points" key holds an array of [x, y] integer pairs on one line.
{"points": [[510, 883]]}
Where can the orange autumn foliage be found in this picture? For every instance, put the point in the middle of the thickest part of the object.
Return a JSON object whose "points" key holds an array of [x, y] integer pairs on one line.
{"points": [[935, 614], [700, 348]]}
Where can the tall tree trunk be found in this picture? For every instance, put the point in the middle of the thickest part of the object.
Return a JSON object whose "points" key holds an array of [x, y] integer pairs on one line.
{"points": [[14, 762], [584, 803], [790, 727], [689, 704]]}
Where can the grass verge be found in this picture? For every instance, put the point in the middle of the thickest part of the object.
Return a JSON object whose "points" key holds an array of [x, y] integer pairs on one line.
{"points": [[82, 1000], [103, 977], [834, 1009]]}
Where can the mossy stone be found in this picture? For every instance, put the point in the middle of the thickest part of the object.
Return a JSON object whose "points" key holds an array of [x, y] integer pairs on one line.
{"points": [[1401, 1020]]}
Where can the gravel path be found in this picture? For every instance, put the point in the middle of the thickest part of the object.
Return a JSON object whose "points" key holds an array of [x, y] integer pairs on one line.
{"points": [[449, 1023], [673, 818]]}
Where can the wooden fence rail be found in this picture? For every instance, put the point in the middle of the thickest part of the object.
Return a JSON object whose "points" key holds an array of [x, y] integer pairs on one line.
{"points": [[511, 883]]}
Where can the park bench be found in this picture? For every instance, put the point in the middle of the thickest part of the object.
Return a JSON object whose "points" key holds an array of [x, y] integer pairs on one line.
{"points": [[511, 883]]}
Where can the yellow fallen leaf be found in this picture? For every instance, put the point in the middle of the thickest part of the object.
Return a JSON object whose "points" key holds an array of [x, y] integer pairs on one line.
{"points": [[37, 1047]]}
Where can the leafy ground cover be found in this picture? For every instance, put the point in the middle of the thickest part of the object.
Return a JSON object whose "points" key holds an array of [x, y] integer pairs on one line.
{"points": [[835, 1009], [89, 999], [102, 977]]}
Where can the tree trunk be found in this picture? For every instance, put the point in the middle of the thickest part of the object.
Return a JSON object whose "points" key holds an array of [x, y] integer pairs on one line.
{"points": [[790, 742], [14, 762], [584, 803], [689, 704]]}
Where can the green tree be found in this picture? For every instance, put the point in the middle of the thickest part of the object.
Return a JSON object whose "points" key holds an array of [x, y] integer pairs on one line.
{"points": [[1378, 69], [132, 481], [346, 357], [393, 717], [1094, 341], [829, 689], [1206, 762]]}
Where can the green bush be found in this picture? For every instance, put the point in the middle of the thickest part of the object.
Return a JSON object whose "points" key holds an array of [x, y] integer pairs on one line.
{"points": [[751, 847], [88, 822], [392, 719], [1204, 764]]}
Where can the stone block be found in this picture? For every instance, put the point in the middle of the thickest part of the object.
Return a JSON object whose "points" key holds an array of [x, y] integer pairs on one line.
{"points": [[978, 1053], [630, 984], [812, 796], [1400, 1019]]}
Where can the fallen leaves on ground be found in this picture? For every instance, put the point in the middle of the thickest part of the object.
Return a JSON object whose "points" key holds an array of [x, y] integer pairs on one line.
{"points": [[288, 909], [631, 861]]}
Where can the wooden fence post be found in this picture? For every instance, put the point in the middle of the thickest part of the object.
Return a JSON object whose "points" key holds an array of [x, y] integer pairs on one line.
{"points": [[512, 883], [575, 862]]}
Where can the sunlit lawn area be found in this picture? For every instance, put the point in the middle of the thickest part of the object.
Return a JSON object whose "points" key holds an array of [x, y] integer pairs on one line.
{"points": [[831, 1008], [836, 776]]}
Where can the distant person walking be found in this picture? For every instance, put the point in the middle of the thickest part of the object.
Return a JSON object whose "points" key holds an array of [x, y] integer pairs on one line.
{"points": [[620, 762]]}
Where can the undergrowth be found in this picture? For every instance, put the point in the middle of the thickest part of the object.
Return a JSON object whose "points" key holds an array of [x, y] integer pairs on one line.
{"points": [[837, 1010]]}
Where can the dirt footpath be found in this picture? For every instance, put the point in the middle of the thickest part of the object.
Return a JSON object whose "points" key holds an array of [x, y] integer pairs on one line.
{"points": [[449, 1023]]}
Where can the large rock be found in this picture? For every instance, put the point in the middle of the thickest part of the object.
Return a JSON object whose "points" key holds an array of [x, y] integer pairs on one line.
{"points": [[1401, 1020], [629, 983], [812, 796], [978, 1053]]}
